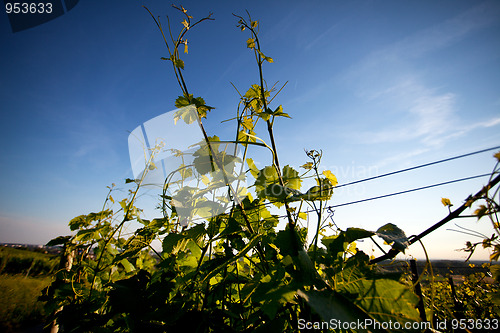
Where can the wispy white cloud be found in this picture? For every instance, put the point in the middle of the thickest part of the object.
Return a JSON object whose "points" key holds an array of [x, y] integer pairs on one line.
{"points": [[463, 129], [429, 40], [428, 116], [404, 159], [417, 110], [322, 35], [418, 113], [406, 156], [446, 33]]}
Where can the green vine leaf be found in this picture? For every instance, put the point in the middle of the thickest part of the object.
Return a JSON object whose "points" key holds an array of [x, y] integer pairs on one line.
{"points": [[171, 243], [84, 221], [253, 92], [253, 169], [252, 243], [279, 194], [382, 299], [331, 177], [182, 101], [243, 138], [60, 240], [323, 191], [291, 178], [353, 234], [186, 113], [279, 112], [266, 177], [179, 63], [247, 123], [251, 43], [265, 115], [392, 234], [307, 166], [333, 307], [202, 107]]}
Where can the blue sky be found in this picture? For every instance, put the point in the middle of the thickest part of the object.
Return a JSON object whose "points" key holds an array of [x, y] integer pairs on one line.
{"points": [[376, 85]]}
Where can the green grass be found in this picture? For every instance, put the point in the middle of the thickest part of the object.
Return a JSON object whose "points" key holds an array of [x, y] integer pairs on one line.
{"points": [[25, 262], [19, 298], [23, 276], [22, 253]]}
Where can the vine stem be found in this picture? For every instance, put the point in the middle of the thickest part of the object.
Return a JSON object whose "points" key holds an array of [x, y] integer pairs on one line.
{"points": [[270, 131], [453, 215], [125, 219], [183, 86], [320, 211]]}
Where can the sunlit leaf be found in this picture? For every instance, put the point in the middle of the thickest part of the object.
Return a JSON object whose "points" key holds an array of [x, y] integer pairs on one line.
{"points": [[247, 123], [127, 265], [307, 166], [251, 43], [495, 255], [497, 156], [331, 177], [84, 221], [243, 137], [446, 202], [279, 193], [323, 191], [253, 169], [182, 101], [481, 211], [185, 112], [279, 112], [291, 178], [265, 115], [266, 177], [253, 92], [87, 235], [201, 107], [240, 254], [171, 242]]}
